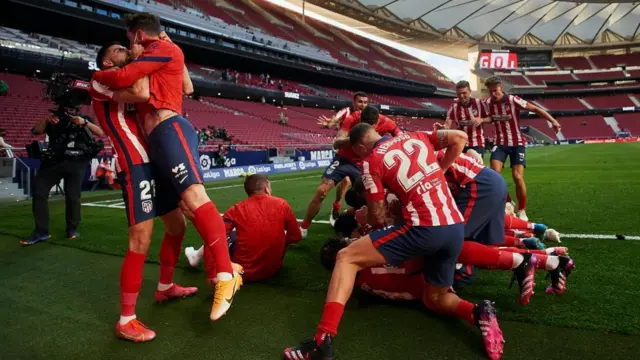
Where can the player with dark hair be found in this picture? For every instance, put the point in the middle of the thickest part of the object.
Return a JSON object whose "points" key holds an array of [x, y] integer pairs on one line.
{"points": [[139, 189], [504, 111], [433, 227], [468, 114], [359, 102], [173, 142], [346, 162], [262, 213]]}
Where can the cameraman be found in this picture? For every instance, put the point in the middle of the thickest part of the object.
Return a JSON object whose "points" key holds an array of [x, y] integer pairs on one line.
{"points": [[67, 157]]}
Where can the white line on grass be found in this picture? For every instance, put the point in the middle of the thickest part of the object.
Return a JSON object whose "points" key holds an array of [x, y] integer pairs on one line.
{"points": [[569, 236], [271, 181]]}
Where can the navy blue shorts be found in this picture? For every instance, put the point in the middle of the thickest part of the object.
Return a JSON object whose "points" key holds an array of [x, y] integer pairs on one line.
{"points": [[231, 241], [479, 149], [464, 276], [173, 148], [482, 204], [139, 192], [516, 154], [440, 246], [339, 169]]}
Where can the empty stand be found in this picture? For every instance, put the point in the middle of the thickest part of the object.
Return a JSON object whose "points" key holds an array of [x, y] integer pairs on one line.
{"points": [[614, 101], [573, 62], [585, 127], [562, 104], [613, 61], [629, 122]]}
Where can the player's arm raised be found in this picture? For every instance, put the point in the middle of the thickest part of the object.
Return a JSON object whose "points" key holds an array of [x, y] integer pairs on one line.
{"points": [[544, 114], [452, 141], [148, 63], [137, 93]]}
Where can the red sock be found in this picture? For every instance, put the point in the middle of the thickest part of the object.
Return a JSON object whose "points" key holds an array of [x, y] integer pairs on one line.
{"points": [[474, 253], [208, 222], [513, 222], [464, 311], [508, 197], [330, 320], [522, 202], [169, 255], [523, 251], [512, 241], [209, 263], [131, 282], [305, 224], [542, 262]]}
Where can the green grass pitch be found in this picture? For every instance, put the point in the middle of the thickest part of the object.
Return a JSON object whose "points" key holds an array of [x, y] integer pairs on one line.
{"points": [[60, 299]]}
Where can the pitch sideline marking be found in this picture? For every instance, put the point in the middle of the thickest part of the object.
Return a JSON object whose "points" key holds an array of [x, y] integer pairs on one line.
{"points": [[120, 205]]}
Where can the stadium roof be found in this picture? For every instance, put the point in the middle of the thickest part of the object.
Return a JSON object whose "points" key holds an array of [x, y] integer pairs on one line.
{"points": [[450, 27]]}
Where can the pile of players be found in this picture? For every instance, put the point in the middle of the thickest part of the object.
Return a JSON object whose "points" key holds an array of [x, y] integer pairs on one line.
{"points": [[448, 208], [423, 215]]}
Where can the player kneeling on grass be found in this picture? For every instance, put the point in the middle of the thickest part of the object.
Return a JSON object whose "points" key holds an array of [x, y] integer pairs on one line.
{"points": [[264, 226], [432, 227]]}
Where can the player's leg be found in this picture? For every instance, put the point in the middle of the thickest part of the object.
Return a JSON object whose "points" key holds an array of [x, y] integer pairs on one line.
{"points": [[173, 145], [518, 163], [137, 193], [497, 159], [175, 227], [380, 247], [439, 275], [341, 191], [316, 202]]}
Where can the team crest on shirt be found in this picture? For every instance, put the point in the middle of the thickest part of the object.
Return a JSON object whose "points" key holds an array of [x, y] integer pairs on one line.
{"points": [[147, 206], [153, 47], [507, 108], [474, 112]]}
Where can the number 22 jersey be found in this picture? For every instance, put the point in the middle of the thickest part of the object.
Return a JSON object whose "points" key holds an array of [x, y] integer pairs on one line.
{"points": [[406, 165]]}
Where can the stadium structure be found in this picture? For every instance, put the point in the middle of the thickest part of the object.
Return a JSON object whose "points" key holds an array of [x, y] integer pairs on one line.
{"points": [[575, 59]]}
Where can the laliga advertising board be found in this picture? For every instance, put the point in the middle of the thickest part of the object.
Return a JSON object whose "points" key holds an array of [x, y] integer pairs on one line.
{"points": [[242, 171]]}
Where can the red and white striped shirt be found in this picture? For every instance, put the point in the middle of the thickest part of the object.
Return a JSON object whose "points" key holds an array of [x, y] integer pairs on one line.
{"points": [[505, 114], [120, 122], [342, 115], [407, 166], [463, 171], [462, 116]]}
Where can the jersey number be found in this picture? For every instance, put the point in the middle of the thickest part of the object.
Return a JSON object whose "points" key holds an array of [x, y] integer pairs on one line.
{"points": [[147, 189], [392, 157]]}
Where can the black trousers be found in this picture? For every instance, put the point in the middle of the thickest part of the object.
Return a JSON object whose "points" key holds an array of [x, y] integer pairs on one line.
{"points": [[72, 171]]}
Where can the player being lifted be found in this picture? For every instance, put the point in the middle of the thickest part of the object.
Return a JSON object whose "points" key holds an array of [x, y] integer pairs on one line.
{"points": [[360, 101], [468, 114], [173, 142], [139, 189], [504, 111], [346, 162], [432, 227]]}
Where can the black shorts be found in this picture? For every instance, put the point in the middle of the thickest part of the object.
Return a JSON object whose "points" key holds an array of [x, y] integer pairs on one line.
{"points": [[146, 194], [440, 246], [339, 169], [516, 154]]}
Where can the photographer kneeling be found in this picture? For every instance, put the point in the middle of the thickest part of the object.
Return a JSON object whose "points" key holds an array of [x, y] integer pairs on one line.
{"points": [[71, 147]]}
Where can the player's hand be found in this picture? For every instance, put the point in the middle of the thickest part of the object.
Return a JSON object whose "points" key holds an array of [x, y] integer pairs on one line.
{"points": [[361, 215], [437, 126], [135, 51], [476, 122], [78, 120], [163, 36], [52, 119], [324, 121], [556, 126]]}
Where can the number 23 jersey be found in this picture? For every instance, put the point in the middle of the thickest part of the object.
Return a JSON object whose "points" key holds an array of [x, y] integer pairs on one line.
{"points": [[407, 166]]}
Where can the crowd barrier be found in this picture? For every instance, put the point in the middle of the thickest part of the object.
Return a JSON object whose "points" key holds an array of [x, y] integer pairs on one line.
{"points": [[238, 171]]}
